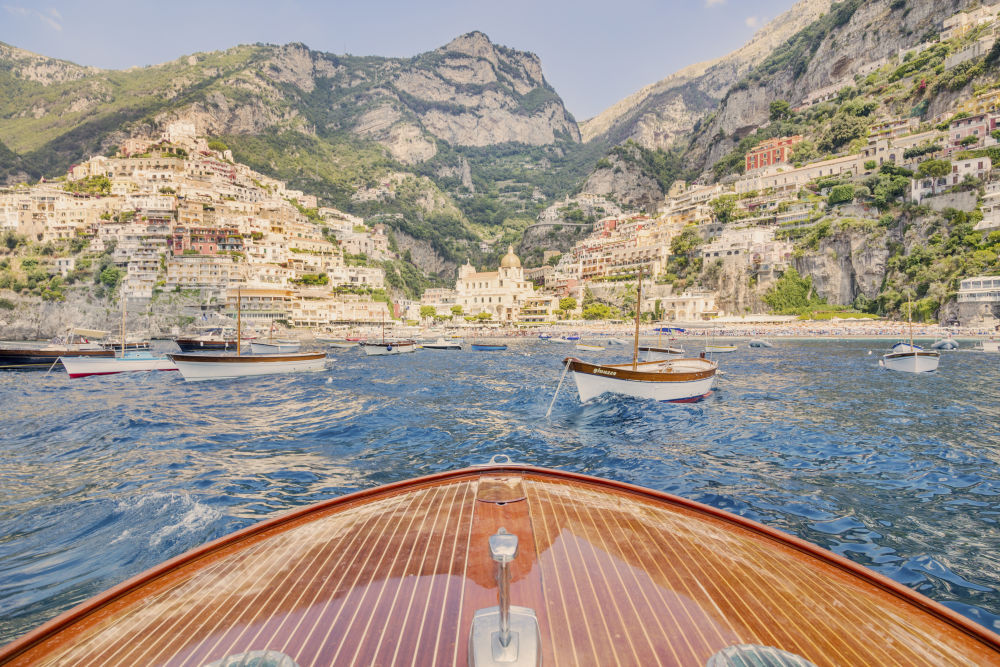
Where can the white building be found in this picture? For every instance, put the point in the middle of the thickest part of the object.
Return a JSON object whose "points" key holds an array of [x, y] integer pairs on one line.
{"points": [[500, 293]]}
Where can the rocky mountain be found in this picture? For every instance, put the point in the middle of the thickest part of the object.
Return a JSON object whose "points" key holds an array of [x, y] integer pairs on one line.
{"points": [[469, 92], [855, 37], [665, 112], [328, 124]]}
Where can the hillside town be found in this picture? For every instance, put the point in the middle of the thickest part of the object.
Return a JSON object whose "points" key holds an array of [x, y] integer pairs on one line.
{"points": [[177, 214]]}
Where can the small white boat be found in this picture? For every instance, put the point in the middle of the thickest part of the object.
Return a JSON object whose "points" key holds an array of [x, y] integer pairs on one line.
{"points": [[340, 344], [442, 344], [220, 367], [588, 347], [760, 342], [910, 358], [676, 381], [378, 349], [562, 340], [720, 348], [131, 362], [660, 353], [278, 347]]}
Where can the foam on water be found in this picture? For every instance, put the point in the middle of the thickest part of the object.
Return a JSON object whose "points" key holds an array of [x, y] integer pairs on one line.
{"points": [[107, 476]]}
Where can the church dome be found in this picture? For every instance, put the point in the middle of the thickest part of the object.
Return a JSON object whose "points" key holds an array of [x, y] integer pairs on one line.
{"points": [[510, 260]]}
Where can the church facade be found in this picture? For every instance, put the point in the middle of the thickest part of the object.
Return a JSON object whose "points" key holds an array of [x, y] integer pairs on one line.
{"points": [[501, 293]]}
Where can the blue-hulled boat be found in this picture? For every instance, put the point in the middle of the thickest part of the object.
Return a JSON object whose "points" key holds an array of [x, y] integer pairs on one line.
{"points": [[481, 347]]}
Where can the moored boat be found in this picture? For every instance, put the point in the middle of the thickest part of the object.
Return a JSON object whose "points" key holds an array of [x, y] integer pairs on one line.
{"points": [[78, 343], [382, 348], [442, 344], [227, 366], [674, 381], [588, 347], [910, 357], [948, 343], [488, 347], [206, 342], [130, 362], [569, 569], [713, 348], [759, 342]]}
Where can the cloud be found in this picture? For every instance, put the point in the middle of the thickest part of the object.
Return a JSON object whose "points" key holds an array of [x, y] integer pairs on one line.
{"points": [[51, 18], [752, 21], [714, 3]]}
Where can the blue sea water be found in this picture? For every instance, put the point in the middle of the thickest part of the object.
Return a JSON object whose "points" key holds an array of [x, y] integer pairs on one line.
{"points": [[104, 477]]}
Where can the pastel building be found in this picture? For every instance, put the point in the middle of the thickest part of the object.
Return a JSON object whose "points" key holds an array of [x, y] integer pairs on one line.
{"points": [[773, 151], [501, 293]]}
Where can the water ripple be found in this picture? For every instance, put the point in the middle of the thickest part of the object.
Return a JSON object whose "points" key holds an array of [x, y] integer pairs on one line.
{"points": [[105, 477]]}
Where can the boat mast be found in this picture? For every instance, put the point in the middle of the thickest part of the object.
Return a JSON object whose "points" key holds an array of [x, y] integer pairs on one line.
{"points": [[909, 318], [638, 307], [239, 322], [124, 306]]}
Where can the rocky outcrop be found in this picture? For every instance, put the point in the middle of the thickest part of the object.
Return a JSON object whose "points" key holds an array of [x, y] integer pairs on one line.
{"points": [[845, 42], [848, 263], [666, 111], [40, 69], [624, 182]]}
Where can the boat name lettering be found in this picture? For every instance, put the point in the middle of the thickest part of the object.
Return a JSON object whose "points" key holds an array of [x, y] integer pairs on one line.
{"points": [[601, 371]]}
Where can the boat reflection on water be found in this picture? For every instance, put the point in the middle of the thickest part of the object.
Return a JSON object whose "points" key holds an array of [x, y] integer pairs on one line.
{"points": [[567, 569]]}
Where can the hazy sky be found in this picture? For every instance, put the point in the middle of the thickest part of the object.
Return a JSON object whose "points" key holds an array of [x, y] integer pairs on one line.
{"points": [[593, 53]]}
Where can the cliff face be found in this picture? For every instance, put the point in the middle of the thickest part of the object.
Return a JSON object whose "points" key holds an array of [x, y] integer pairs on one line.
{"points": [[855, 34], [664, 112], [849, 263], [469, 92]]}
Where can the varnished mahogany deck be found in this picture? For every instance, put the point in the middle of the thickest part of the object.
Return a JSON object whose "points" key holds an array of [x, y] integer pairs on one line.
{"points": [[616, 575]]}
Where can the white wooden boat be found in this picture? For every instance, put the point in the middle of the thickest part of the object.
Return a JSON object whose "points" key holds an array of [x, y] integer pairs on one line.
{"points": [[226, 366], [720, 348], [910, 358], [650, 353], [676, 380], [588, 347], [196, 367], [131, 362], [378, 349], [277, 347], [442, 344]]}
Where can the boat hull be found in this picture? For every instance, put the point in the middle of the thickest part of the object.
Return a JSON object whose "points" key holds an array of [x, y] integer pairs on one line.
{"points": [[615, 573], [196, 344], [384, 349], [28, 359], [716, 349], [78, 367], [911, 362], [211, 367], [488, 348], [588, 348], [689, 380]]}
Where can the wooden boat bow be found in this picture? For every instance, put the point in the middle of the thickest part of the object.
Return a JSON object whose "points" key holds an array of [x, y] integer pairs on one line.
{"points": [[614, 574]]}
